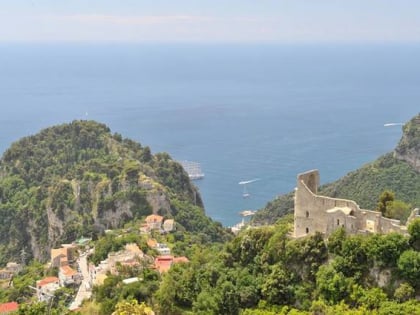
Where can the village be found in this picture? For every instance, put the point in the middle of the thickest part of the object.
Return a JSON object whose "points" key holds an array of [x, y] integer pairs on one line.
{"points": [[75, 270]]}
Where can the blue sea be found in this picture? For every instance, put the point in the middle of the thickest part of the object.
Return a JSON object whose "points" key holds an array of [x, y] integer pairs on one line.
{"points": [[244, 111]]}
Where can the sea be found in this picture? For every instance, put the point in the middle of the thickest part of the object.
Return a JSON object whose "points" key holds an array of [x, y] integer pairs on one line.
{"points": [[265, 111]]}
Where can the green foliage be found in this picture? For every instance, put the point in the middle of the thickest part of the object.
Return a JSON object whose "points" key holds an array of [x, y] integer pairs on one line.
{"points": [[132, 308], [409, 267], [332, 285], [385, 199], [414, 230], [386, 249], [404, 292], [83, 178], [277, 288], [399, 210]]}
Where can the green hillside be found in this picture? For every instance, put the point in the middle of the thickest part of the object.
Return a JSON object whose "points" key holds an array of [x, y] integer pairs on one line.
{"points": [[397, 171], [79, 179]]}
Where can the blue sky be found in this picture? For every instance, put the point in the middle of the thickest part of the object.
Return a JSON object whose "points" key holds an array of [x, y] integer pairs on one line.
{"points": [[210, 20]]}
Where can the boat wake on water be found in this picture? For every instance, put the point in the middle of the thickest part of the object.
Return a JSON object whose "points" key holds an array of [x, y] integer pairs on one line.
{"points": [[393, 124]]}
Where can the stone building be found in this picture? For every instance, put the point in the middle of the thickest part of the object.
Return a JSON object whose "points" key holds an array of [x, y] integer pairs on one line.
{"points": [[315, 213]]}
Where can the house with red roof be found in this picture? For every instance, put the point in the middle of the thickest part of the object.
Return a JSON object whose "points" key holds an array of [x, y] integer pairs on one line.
{"points": [[7, 308], [46, 288], [164, 263]]}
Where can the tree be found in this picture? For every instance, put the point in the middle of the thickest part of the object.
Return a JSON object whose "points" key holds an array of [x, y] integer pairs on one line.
{"points": [[132, 308], [386, 249], [206, 303], [277, 288], [404, 292], [398, 209], [332, 286], [335, 241], [409, 267], [384, 200], [414, 230]]}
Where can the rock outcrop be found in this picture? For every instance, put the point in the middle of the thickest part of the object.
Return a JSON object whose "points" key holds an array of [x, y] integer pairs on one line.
{"points": [[408, 148]]}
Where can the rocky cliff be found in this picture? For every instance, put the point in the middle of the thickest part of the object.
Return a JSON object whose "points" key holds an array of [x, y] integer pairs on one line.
{"points": [[79, 179], [408, 148]]}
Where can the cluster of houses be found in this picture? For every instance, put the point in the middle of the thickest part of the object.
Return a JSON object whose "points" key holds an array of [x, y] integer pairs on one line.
{"points": [[156, 222], [61, 258], [131, 256]]}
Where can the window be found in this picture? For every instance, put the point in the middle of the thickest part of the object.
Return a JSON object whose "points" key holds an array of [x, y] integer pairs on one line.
{"points": [[307, 214], [338, 221], [307, 230]]}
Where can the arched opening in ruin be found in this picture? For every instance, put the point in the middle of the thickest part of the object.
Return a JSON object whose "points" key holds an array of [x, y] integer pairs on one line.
{"points": [[307, 214], [307, 230], [338, 222]]}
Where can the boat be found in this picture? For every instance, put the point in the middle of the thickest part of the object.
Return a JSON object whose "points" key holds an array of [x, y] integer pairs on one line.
{"points": [[193, 169], [247, 213]]}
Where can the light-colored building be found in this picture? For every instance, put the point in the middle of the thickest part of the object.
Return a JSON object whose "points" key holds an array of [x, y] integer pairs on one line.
{"points": [[68, 276], [154, 221], [46, 288], [169, 225], [315, 213]]}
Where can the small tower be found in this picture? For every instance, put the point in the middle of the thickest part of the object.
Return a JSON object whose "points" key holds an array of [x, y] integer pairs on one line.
{"points": [[305, 216]]}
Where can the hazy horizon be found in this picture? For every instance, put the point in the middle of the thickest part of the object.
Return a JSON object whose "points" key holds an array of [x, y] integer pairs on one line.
{"points": [[211, 21]]}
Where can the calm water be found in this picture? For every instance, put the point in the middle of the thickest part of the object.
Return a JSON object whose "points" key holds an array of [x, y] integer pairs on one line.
{"points": [[242, 111]]}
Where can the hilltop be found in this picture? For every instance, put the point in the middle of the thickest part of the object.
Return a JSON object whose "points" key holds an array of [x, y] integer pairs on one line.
{"points": [[79, 179], [397, 171]]}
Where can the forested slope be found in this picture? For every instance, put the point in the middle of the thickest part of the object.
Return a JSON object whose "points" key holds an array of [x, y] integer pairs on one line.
{"points": [[79, 179]]}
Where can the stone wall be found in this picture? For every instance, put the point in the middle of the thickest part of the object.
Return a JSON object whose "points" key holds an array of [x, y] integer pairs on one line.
{"points": [[314, 213]]}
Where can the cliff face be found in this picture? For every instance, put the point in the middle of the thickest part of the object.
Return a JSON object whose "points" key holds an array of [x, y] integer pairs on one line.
{"points": [[408, 148], [79, 179]]}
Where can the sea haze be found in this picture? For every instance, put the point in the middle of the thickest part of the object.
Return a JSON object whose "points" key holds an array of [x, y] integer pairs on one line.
{"points": [[246, 111]]}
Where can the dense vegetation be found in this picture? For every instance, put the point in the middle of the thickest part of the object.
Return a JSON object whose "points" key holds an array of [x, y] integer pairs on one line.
{"points": [[264, 271], [366, 184], [79, 179]]}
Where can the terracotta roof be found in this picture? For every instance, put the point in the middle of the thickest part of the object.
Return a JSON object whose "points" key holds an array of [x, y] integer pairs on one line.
{"points": [[68, 271], [163, 263], [45, 281], [8, 307], [154, 218]]}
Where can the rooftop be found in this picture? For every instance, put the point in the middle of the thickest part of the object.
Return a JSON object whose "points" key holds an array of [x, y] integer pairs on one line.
{"points": [[8, 307], [154, 218], [46, 281], [68, 271]]}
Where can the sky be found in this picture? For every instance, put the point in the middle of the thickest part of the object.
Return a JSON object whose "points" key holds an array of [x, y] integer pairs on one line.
{"points": [[210, 20]]}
